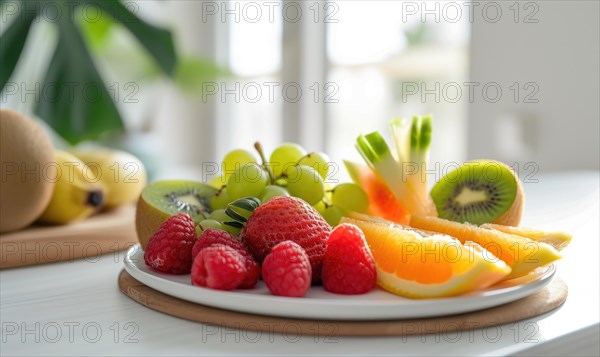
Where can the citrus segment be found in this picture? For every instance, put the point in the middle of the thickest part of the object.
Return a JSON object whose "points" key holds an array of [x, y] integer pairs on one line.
{"points": [[521, 254], [559, 240], [382, 202], [416, 264]]}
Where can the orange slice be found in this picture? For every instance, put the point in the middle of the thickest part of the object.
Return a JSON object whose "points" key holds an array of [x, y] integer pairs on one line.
{"points": [[521, 254], [415, 264], [559, 240], [382, 202]]}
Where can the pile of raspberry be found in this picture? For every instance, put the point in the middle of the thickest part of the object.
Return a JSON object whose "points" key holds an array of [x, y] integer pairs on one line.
{"points": [[285, 241]]}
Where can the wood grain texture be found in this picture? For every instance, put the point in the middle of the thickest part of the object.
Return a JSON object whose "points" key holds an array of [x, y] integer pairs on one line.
{"points": [[545, 300], [100, 234]]}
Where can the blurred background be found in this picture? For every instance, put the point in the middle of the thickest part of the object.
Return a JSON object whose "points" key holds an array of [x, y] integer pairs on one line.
{"points": [[191, 80]]}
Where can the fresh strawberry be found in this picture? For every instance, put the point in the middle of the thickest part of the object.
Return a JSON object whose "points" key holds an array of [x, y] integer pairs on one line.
{"points": [[286, 270], [218, 267], [212, 236], [287, 218], [170, 248], [348, 266]]}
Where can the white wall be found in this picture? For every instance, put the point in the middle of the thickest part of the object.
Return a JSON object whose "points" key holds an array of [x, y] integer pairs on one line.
{"points": [[560, 54]]}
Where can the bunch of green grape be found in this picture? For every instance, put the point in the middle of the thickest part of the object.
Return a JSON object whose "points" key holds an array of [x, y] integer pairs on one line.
{"points": [[290, 171]]}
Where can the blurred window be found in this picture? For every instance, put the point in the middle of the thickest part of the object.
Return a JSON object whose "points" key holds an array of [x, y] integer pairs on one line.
{"points": [[378, 63], [255, 46], [389, 63]]}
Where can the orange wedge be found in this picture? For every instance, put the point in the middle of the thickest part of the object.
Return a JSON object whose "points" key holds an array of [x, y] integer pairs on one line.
{"points": [[382, 202], [521, 254], [414, 264], [559, 240]]}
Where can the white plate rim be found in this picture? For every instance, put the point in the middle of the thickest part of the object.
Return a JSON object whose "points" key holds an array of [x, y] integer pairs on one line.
{"points": [[335, 307]]}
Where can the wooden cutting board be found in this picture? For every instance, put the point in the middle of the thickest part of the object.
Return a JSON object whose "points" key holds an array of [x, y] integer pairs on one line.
{"points": [[100, 234], [544, 300]]}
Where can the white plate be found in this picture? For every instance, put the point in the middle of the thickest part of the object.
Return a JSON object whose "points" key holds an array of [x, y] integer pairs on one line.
{"points": [[320, 304]]}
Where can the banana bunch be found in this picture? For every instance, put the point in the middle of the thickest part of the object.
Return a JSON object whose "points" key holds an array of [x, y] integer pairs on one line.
{"points": [[91, 180], [76, 195], [122, 174]]}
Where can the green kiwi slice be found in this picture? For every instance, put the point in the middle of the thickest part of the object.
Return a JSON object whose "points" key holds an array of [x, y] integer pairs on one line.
{"points": [[477, 192], [163, 199]]}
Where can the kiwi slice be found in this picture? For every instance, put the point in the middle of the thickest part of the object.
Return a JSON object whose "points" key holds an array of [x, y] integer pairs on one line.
{"points": [[480, 192], [163, 199]]}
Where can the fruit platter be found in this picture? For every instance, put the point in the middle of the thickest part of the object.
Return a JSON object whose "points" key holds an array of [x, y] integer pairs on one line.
{"points": [[270, 235]]}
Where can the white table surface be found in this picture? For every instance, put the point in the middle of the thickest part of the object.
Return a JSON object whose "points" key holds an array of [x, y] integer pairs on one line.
{"points": [[76, 308]]}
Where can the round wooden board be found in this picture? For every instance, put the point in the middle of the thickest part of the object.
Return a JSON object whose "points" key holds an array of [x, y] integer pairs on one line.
{"points": [[545, 300]]}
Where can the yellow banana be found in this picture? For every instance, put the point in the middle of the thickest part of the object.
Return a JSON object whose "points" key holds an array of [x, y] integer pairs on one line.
{"points": [[122, 174], [76, 195]]}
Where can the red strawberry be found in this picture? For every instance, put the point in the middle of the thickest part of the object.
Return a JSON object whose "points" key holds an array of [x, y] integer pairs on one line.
{"points": [[287, 218], [348, 267], [170, 248], [212, 236], [218, 267], [286, 270]]}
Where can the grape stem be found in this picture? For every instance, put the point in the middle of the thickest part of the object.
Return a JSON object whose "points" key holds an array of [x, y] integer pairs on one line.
{"points": [[307, 156], [220, 190], [265, 164]]}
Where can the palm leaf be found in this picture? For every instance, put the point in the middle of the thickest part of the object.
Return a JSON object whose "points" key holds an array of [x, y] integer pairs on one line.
{"points": [[75, 101], [12, 43]]}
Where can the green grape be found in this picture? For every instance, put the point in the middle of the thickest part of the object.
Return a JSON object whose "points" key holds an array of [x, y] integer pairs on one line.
{"points": [[350, 197], [218, 181], [333, 215], [235, 159], [219, 200], [282, 182], [219, 215], [318, 161], [304, 182], [272, 191], [328, 191], [320, 207], [248, 180], [209, 223], [284, 157]]}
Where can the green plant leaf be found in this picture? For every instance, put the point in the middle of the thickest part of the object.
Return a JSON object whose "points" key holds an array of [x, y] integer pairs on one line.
{"points": [[96, 33], [74, 100], [157, 41], [192, 74], [12, 42]]}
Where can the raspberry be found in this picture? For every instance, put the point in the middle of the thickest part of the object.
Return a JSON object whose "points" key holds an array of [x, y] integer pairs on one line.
{"points": [[286, 270], [170, 248], [218, 267], [212, 236], [287, 218], [348, 266]]}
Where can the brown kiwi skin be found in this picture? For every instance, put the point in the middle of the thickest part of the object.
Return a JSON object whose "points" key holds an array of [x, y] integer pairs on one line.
{"points": [[147, 221], [513, 216]]}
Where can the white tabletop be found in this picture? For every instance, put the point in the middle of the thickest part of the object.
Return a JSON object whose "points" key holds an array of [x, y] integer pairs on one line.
{"points": [[76, 308]]}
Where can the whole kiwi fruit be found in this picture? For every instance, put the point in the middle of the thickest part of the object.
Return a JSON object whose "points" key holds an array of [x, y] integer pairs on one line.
{"points": [[28, 172], [478, 192]]}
